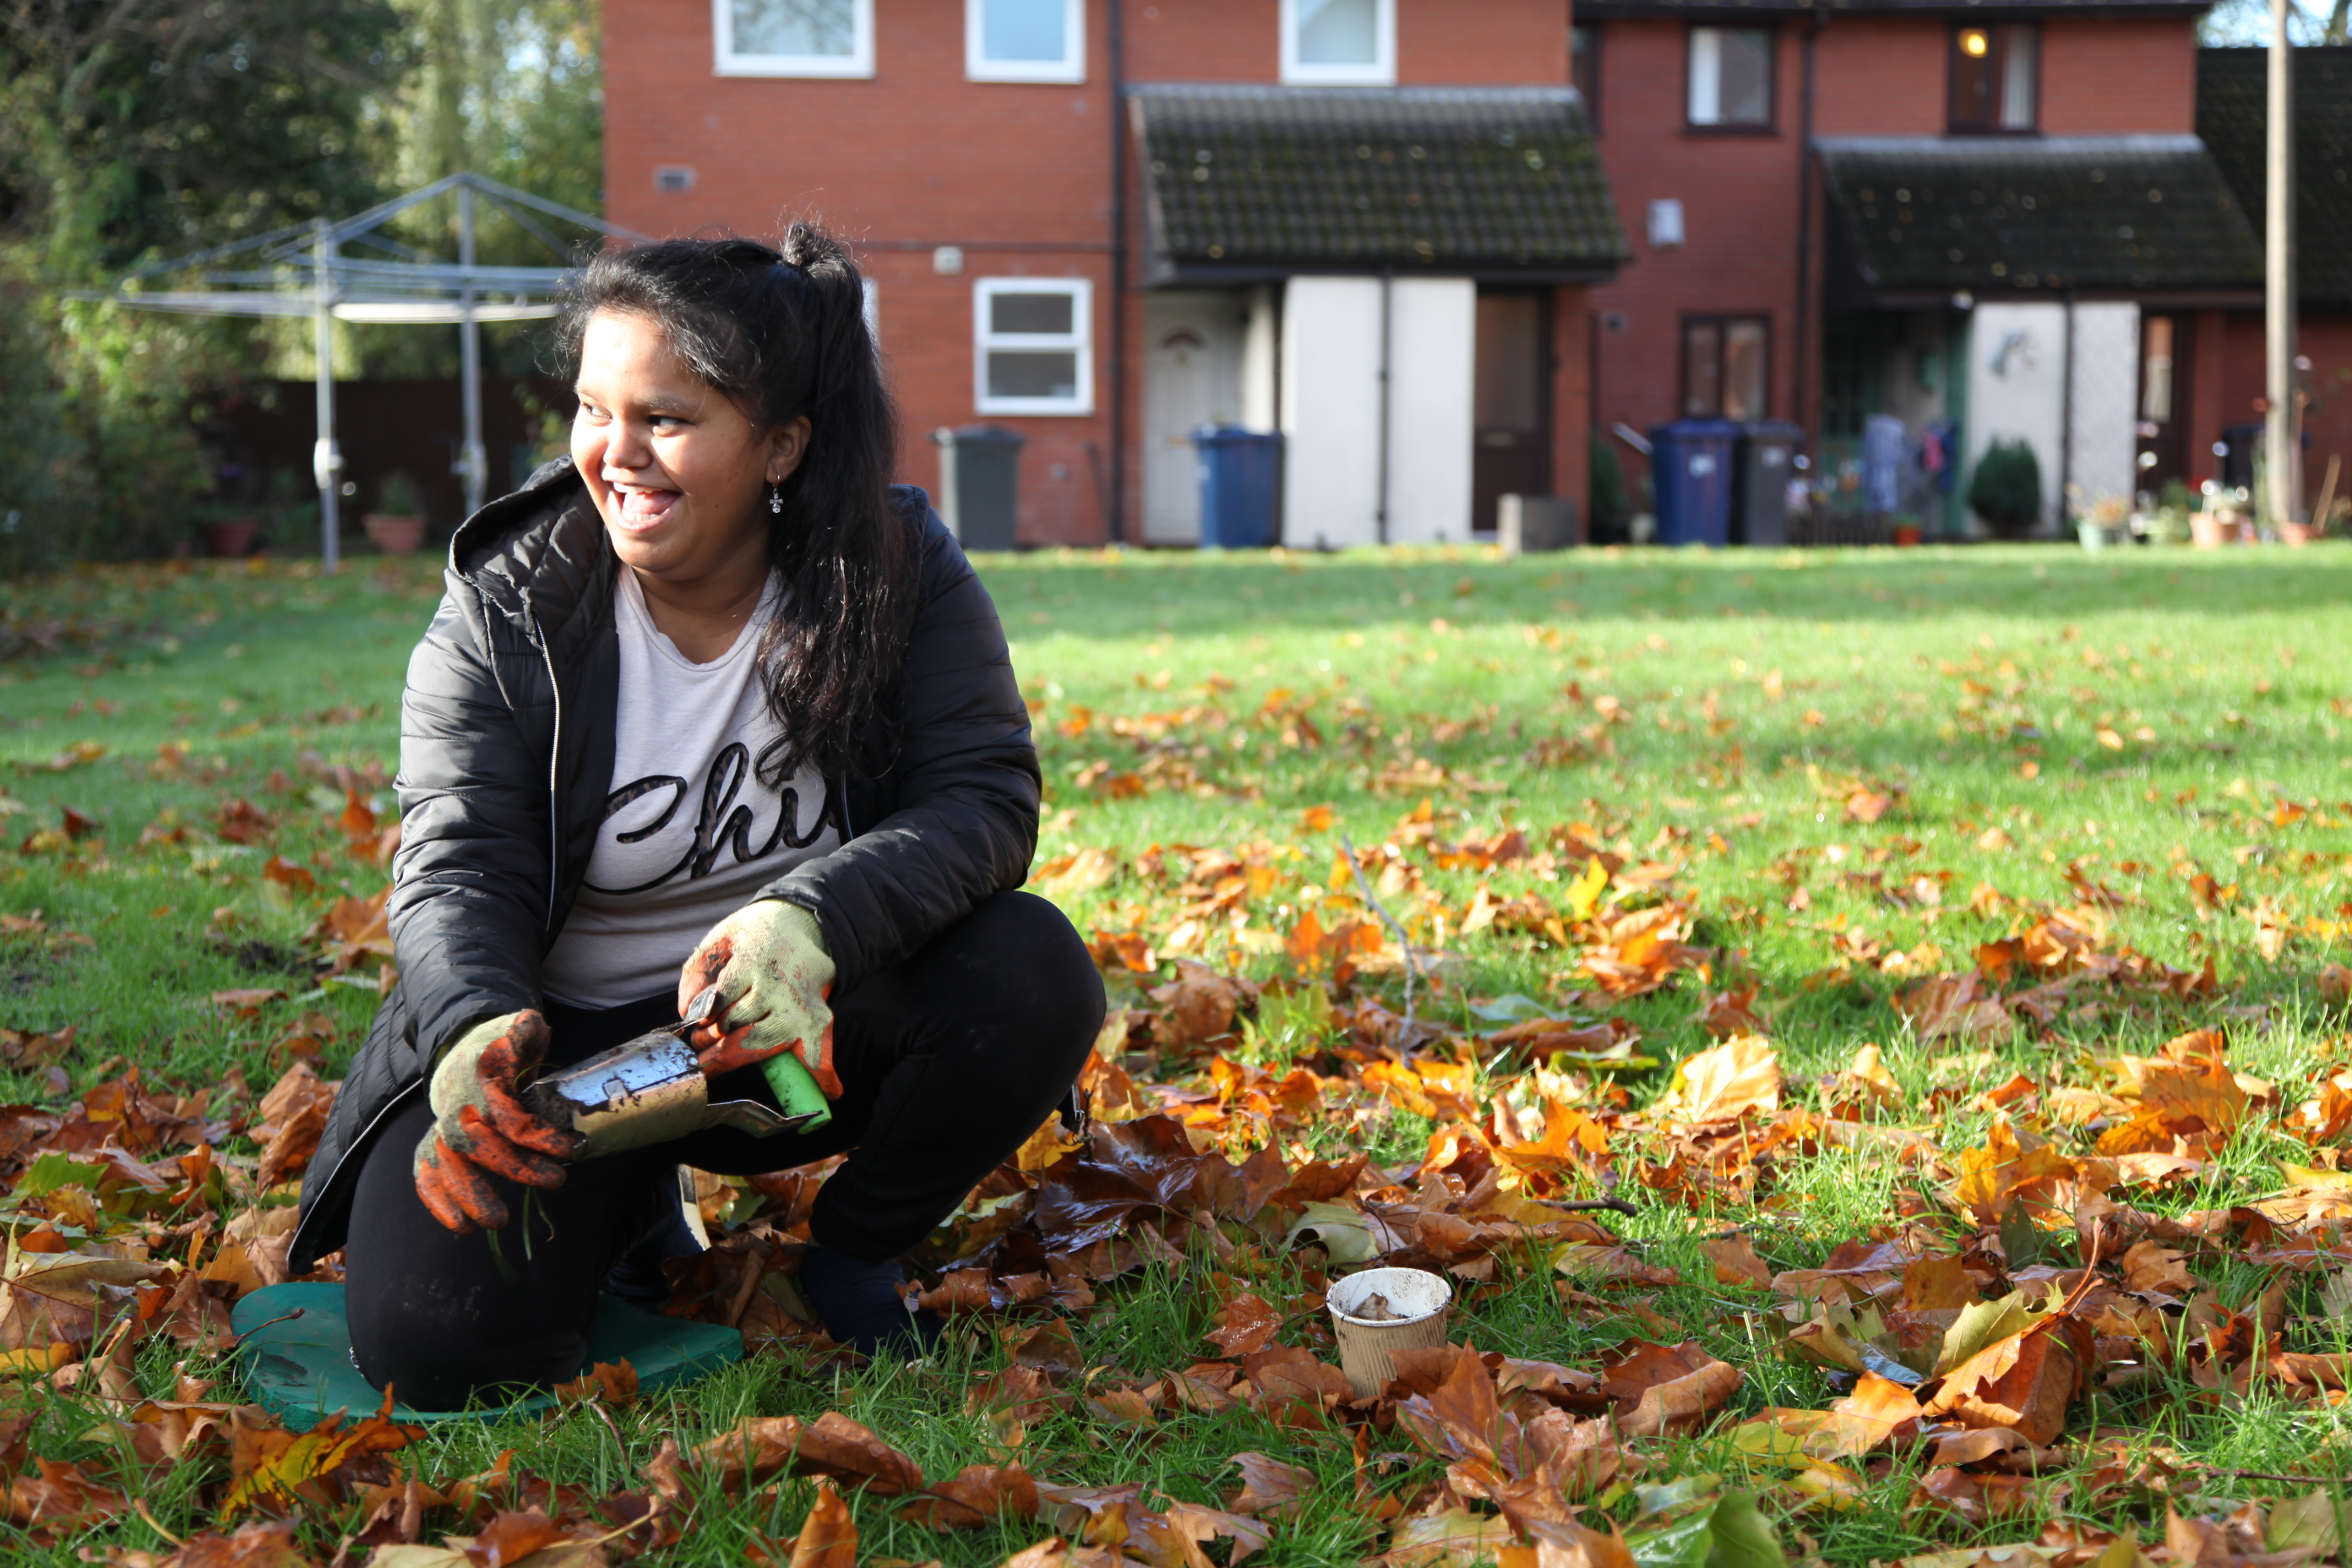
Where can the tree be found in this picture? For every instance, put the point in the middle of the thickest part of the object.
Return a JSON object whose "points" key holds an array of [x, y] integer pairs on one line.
{"points": [[129, 129]]}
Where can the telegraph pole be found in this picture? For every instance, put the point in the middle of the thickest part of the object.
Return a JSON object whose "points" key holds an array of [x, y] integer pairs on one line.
{"points": [[2282, 461]]}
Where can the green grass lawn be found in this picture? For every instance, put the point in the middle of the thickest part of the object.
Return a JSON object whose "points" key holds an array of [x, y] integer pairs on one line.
{"points": [[1860, 766]]}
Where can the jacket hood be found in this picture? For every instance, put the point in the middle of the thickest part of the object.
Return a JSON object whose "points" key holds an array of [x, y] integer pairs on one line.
{"points": [[538, 556]]}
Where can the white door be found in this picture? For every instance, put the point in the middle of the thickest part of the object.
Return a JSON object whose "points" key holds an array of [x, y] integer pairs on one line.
{"points": [[1192, 377]]}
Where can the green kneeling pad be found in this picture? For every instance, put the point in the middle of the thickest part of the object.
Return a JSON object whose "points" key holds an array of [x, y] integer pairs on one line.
{"points": [[301, 1369]]}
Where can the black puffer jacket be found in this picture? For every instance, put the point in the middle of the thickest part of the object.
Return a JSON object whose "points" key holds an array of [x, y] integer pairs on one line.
{"points": [[505, 756]]}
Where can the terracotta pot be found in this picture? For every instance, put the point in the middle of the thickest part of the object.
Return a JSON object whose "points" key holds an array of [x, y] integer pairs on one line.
{"points": [[394, 533], [1908, 534], [2211, 530], [232, 540], [2297, 534]]}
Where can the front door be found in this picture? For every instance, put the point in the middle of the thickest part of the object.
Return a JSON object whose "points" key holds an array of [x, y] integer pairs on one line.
{"points": [[1192, 377], [1511, 417], [2164, 372]]}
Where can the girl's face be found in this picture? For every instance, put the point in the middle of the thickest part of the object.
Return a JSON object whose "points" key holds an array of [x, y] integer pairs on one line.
{"points": [[679, 473]]}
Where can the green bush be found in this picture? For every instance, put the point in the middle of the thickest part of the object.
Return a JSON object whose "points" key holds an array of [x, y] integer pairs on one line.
{"points": [[2006, 489], [396, 497]]}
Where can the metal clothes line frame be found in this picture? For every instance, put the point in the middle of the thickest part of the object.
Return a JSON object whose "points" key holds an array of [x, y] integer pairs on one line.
{"points": [[300, 271]]}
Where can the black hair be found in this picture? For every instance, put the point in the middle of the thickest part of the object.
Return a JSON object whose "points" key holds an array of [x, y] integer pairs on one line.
{"points": [[781, 331]]}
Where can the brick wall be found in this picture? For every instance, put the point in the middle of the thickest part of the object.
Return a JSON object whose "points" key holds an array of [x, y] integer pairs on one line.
{"points": [[2118, 77], [1738, 193], [2325, 340]]}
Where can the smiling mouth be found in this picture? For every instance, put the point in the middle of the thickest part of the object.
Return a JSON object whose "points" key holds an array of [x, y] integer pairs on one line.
{"points": [[642, 508]]}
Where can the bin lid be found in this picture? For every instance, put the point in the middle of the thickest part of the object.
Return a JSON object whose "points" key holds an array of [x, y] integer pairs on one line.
{"points": [[978, 435], [1772, 430], [1694, 430], [1234, 436]]}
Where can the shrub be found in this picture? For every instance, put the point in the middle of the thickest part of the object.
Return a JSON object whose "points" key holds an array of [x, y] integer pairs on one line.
{"points": [[2006, 489], [396, 497]]}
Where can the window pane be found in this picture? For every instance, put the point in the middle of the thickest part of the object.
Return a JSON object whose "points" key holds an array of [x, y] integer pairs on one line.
{"points": [[1029, 313], [1746, 90], [1339, 32], [1706, 76], [794, 26], [2017, 78], [1508, 369], [1024, 30], [1701, 369], [2156, 371], [1976, 66], [1033, 375], [1743, 370], [1584, 68]]}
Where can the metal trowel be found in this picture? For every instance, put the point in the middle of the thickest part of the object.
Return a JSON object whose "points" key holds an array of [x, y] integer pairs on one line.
{"points": [[652, 1090]]}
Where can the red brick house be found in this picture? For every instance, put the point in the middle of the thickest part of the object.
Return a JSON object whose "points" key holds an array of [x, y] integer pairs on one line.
{"points": [[1438, 244], [1984, 222], [1373, 224]]}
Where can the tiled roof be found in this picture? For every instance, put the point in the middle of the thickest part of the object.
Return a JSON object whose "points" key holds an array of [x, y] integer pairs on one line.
{"points": [[1995, 217], [1485, 181], [2232, 91]]}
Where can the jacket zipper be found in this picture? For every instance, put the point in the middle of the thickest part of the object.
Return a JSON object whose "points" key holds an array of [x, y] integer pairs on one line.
{"points": [[555, 769]]}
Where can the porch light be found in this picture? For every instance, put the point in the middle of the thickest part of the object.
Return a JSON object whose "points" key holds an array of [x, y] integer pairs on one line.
{"points": [[1974, 42]]}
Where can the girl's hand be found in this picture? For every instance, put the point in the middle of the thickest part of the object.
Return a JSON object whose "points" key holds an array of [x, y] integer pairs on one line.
{"points": [[774, 976], [481, 1128]]}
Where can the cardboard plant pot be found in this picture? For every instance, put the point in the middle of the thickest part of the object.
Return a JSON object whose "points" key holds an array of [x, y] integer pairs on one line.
{"points": [[1380, 1311]]}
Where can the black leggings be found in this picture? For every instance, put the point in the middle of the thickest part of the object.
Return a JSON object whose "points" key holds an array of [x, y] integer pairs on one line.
{"points": [[948, 1062]]}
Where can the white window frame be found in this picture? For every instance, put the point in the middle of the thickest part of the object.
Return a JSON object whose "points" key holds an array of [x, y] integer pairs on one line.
{"points": [[978, 66], [858, 62], [1382, 72], [1080, 339]]}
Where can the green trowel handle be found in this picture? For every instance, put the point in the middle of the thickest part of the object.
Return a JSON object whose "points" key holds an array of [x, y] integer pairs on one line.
{"points": [[796, 1090]]}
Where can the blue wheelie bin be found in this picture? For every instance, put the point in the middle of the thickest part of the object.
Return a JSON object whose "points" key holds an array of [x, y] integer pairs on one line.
{"points": [[1241, 486], [1690, 470]]}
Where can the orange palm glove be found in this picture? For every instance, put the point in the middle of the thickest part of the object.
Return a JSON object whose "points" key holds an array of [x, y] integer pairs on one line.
{"points": [[481, 1128]]}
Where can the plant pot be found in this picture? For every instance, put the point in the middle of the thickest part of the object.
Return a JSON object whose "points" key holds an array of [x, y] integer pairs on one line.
{"points": [[1908, 534], [2297, 534], [232, 540], [394, 533], [2211, 530]]}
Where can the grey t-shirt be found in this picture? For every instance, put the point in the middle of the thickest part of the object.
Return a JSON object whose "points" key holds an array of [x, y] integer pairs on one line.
{"points": [[689, 833]]}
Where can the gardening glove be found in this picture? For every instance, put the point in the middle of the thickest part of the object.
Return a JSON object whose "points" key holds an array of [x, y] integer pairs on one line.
{"points": [[773, 975], [481, 1128]]}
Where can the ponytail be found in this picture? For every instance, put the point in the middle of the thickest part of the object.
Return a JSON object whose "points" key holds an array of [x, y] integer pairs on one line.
{"points": [[782, 332]]}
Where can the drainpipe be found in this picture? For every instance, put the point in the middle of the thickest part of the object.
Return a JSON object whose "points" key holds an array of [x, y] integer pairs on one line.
{"points": [[2067, 410], [1115, 514], [1380, 513], [1804, 218]]}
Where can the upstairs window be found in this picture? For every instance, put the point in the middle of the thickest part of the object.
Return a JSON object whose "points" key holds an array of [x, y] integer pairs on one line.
{"points": [[794, 37], [1730, 78], [1025, 40], [1996, 73], [1339, 43], [1584, 68], [1033, 345]]}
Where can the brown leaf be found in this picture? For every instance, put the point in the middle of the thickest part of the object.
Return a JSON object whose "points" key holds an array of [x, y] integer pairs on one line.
{"points": [[290, 1148], [833, 1445], [1270, 1487], [512, 1536], [2025, 1381], [1736, 1262], [614, 1383], [264, 1543], [828, 1536], [1671, 1390], [1245, 1324], [976, 1496], [1722, 1084]]}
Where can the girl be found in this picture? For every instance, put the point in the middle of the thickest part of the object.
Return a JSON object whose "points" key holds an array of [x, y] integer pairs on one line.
{"points": [[708, 704]]}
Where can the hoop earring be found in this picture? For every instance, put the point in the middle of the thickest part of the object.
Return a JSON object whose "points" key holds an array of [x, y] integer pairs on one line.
{"points": [[775, 500]]}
